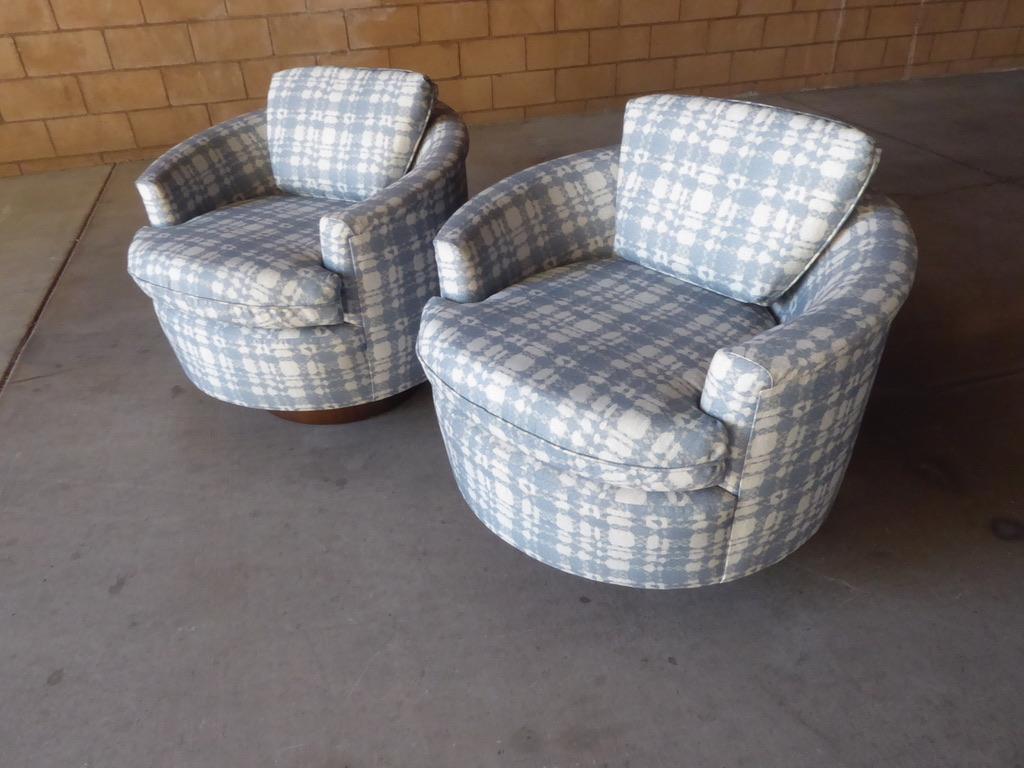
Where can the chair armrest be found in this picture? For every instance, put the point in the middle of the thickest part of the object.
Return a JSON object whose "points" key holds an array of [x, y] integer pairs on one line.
{"points": [[545, 216], [383, 247], [810, 376], [223, 164], [792, 398]]}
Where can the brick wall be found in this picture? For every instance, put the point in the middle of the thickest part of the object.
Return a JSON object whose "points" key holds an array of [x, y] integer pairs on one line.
{"points": [[84, 82]]}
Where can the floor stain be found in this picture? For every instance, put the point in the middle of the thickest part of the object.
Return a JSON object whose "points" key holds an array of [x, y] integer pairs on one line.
{"points": [[55, 677]]}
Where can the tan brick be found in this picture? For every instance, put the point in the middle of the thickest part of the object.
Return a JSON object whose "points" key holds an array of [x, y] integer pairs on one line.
{"points": [[119, 91], [159, 127], [1015, 14], [62, 53], [708, 9], [90, 133], [735, 34], [9, 169], [519, 17], [467, 94], [435, 60], [648, 11], [983, 14], [25, 16], [309, 33], [230, 39], [75, 14], [369, 57], [790, 29], [491, 57], [853, 55], [257, 73], [680, 39], [199, 83], [754, 7], [644, 76], [937, 16], [453, 21], [24, 141], [585, 82], [159, 46], [996, 42], [808, 59], [344, 5], [622, 44], [586, 14], [225, 110], [267, 7], [892, 22], [849, 24], [748, 66], [711, 69], [181, 10], [561, 49], [380, 27], [10, 62], [48, 164], [953, 45], [40, 97], [521, 88]]}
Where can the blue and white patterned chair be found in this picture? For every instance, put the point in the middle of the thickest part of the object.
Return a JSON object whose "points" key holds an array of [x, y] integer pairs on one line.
{"points": [[290, 252], [650, 363]]}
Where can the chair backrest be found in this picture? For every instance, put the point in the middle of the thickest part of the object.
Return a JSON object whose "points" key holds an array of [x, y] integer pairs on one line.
{"points": [[345, 133], [734, 197]]}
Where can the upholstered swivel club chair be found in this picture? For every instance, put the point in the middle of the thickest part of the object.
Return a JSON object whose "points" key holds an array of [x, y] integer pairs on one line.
{"points": [[650, 363], [290, 252]]}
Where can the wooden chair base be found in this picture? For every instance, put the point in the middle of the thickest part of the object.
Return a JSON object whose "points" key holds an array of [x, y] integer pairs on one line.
{"points": [[345, 415]]}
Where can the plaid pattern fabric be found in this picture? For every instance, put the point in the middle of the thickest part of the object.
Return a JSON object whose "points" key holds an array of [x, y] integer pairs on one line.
{"points": [[257, 263], [293, 303], [788, 398], [383, 250], [221, 165], [345, 133], [551, 214], [597, 365], [286, 369], [809, 379], [627, 536], [737, 198]]}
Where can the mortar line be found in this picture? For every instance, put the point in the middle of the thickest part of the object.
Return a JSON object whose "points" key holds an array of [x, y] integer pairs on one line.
{"points": [[23, 342]]}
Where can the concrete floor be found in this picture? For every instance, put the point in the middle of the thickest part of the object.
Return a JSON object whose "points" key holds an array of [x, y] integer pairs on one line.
{"points": [[187, 583]]}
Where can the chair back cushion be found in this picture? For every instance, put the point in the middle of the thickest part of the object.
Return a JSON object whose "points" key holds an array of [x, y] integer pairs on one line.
{"points": [[737, 198], [345, 133]]}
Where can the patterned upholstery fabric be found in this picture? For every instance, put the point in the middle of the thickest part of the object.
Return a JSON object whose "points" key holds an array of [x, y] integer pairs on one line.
{"points": [[787, 397], [291, 303], [563, 210], [289, 369], [345, 133], [257, 263], [221, 165], [599, 365], [737, 198]]}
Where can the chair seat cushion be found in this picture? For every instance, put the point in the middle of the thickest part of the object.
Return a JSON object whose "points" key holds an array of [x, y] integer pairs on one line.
{"points": [[597, 366], [257, 263]]}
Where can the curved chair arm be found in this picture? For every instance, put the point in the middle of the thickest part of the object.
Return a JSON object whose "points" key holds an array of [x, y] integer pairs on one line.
{"points": [[792, 397], [383, 248], [223, 164], [545, 216]]}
